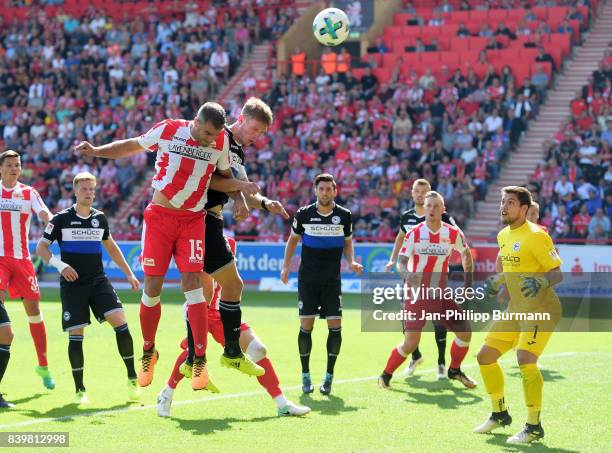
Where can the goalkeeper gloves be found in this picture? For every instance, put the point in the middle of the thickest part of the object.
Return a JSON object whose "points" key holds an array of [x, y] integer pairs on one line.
{"points": [[493, 285], [531, 286]]}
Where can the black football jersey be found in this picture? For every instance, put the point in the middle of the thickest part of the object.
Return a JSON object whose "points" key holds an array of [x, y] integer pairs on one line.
{"points": [[409, 219], [323, 239], [80, 241], [214, 197]]}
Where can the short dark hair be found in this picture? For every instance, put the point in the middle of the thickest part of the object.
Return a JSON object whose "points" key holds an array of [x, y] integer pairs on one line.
{"points": [[213, 113], [258, 110], [522, 193], [6, 154], [325, 177]]}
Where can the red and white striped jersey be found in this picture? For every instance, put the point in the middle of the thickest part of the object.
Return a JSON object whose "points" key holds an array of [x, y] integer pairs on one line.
{"points": [[184, 167], [430, 251], [16, 208]]}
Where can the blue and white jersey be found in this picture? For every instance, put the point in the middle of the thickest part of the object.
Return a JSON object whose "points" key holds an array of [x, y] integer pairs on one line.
{"points": [[323, 238], [80, 241]]}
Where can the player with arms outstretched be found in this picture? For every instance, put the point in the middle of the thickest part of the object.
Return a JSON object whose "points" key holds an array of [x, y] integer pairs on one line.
{"points": [[81, 231], [531, 267], [17, 275], [188, 153], [424, 256], [249, 343]]}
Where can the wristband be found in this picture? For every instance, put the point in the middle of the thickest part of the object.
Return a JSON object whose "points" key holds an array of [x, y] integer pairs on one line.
{"points": [[263, 204], [58, 264]]}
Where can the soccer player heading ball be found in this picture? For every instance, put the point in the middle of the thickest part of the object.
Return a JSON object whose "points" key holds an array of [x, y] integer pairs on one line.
{"points": [[531, 267], [188, 153], [326, 230]]}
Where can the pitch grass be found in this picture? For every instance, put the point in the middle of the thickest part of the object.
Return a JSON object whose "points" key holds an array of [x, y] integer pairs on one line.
{"points": [[420, 414]]}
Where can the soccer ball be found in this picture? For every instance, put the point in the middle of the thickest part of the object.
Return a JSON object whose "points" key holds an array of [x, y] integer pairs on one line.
{"points": [[331, 27]]}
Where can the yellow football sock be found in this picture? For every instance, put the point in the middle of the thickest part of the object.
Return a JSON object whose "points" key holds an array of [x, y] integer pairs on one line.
{"points": [[493, 378], [532, 387]]}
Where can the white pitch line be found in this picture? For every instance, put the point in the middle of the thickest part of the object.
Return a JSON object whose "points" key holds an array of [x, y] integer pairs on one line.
{"points": [[228, 396]]}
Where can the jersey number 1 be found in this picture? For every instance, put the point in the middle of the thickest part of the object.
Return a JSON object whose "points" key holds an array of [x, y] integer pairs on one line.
{"points": [[196, 249]]}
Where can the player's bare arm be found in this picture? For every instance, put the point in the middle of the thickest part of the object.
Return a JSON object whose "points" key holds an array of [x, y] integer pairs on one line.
{"points": [[399, 240], [67, 271], [115, 253], [467, 260], [45, 216], [349, 254], [114, 150], [229, 184], [292, 243]]}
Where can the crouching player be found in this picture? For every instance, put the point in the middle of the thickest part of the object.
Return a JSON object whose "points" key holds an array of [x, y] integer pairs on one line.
{"points": [[426, 250], [80, 232], [250, 345]]}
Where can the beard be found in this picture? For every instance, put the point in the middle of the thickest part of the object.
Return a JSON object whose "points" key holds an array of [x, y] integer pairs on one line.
{"points": [[324, 203]]}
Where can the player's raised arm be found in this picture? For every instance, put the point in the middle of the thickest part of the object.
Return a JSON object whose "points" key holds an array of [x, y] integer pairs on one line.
{"points": [[114, 150], [117, 256]]}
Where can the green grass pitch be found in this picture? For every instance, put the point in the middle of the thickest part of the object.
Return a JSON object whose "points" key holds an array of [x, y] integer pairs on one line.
{"points": [[420, 414]]}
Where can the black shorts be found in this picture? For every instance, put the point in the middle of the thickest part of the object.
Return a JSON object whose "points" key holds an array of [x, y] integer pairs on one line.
{"points": [[322, 300], [4, 317], [217, 252], [100, 296]]}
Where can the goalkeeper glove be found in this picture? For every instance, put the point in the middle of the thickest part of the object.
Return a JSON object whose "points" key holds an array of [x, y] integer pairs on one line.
{"points": [[493, 285], [531, 286]]}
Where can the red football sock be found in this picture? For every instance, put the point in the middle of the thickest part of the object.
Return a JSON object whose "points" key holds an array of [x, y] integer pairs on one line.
{"points": [[269, 380], [39, 335], [395, 360], [176, 376], [458, 352], [149, 320], [197, 314]]}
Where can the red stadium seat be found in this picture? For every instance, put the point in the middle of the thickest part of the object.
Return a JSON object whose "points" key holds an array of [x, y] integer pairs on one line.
{"points": [[555, 52], [562, 41], [528, 54], [456, 17], [479, 16], [430, 59], [469, 56], [516, 15], [541, 12], [382, 74], [497, 15], [478, 43], [459, 44], [401, 19], [450, 58]]}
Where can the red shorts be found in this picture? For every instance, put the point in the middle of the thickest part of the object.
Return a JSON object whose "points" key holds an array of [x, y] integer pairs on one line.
{"points": [[423, 310], [171, 233], [19, 278]]}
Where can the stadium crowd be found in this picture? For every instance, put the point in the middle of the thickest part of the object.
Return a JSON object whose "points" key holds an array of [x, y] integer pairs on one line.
{"points": [[455, 129], [574, 183], [95, 77]]}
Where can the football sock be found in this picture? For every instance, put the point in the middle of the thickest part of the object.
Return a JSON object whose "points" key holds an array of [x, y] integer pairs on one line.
{"points": [[231, 316], [176, 376], [416, 354], [190, 347], [305, 346], [39, 335], [269, 380], [150, 314], [334, 341], [493, 378], [197, 314], [458, 352], [77, 361], [5, 355], [396, 358], [440, 333], [125, 344], [533, 382]]}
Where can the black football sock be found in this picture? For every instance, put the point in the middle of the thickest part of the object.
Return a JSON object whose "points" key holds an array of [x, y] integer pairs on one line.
{"points": [[77, 361], [231, 316], [126, 348], [5, 355], [334, 340], [441, 343], [190, 345], [416, 354], [305, 346]]}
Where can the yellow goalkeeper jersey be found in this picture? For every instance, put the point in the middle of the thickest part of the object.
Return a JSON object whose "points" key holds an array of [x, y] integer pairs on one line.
{"points": [[525, 251]]}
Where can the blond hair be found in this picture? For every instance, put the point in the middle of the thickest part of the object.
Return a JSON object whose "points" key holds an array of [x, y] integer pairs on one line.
{"points": [[83, 176], [258, 110], [434, 194], [421, 182]]}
